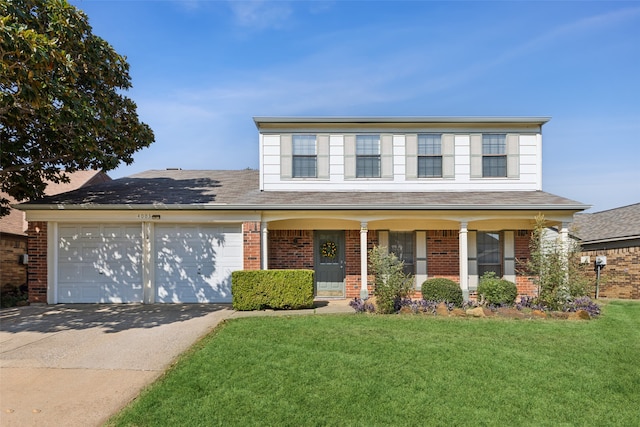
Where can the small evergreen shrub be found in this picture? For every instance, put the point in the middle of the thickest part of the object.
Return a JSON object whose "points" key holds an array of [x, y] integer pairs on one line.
{"points": [[277, 289], [440, 289], [391, 283], [495, 291]]}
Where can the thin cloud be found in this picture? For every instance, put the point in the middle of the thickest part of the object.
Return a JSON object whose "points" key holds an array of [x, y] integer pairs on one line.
{"points": [[261, 14]]}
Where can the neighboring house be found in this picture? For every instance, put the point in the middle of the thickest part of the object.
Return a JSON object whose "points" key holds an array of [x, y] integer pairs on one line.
{"points": [[614, 233], [453, 197], [13, 229]]}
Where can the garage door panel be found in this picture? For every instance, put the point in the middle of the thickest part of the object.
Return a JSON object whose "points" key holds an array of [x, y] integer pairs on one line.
{"points": [[194, 263], [99, 263]]}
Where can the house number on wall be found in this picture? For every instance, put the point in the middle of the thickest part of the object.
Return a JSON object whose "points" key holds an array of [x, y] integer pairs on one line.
{"points": [[147, 216]]}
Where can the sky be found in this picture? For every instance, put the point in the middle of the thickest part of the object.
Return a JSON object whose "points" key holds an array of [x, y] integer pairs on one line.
{"points": [[201, 70]]}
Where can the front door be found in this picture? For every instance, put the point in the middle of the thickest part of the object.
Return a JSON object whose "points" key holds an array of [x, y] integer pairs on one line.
{"points": [[329, 263]]}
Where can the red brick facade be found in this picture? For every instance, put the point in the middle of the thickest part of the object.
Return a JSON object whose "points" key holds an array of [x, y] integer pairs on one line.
{"points": [[291, 249], [352, 251], [621, 277], [294, 249], [443, 254], [525, 284], [37, 267], [251, 241]]}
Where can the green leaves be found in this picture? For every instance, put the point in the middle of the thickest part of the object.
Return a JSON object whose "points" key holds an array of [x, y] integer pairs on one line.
{"points": [[61, 101]]}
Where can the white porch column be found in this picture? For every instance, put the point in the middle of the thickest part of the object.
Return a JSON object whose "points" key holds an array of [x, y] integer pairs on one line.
{"points": [[464, 260], [364, 292], [265, 245], [564, 242]]}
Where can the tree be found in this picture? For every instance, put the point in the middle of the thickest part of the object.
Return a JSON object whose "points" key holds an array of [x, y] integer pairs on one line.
{"points": [[61, 102], [555, 267]]}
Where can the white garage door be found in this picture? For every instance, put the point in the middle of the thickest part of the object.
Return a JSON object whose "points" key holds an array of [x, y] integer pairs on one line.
{"points": [[99, 263], [194, 262]]}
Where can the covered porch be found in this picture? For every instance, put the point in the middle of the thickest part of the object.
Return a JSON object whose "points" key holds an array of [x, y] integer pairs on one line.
{"points": [[459, 245]]}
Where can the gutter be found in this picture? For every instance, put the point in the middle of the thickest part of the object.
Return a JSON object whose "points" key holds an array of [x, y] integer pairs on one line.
{"points": [[227, 207], [400, 119]]}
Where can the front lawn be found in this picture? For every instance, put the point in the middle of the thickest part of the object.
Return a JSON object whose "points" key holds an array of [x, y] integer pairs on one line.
{"points": [[369, 370]]}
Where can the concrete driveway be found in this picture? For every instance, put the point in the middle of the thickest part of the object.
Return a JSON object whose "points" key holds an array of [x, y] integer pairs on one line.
{"points": [[76, 365]]}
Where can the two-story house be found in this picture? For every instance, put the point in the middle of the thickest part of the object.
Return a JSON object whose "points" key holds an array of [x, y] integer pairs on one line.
{"points": [[453, 197]]}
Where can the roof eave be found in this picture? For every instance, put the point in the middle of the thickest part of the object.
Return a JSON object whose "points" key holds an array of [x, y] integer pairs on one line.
{"points": [[284, 207], [540, 120]]}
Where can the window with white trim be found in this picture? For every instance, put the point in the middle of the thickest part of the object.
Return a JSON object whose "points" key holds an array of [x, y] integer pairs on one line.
{"points": [[304, 156], [429, 155], [494, 155], [367, 156]]}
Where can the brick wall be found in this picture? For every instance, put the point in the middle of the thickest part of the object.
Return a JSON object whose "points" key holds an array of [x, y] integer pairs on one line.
{"points": [[251, 241], [37, 267], [524, 283], [291, 249], [294, 249], [621, 277], [353, 279], [11, 271], [443, 254]]}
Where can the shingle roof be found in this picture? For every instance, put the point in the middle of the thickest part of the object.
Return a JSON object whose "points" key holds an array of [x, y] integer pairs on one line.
{"points": [[239, 189], [614, 224], [14, 222]]}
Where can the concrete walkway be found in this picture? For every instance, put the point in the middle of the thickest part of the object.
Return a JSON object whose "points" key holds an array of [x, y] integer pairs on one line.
{"points": [[76, 365]]}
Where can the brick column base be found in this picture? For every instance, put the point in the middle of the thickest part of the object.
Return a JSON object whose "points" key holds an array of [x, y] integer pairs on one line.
{"points": [[37, 267], [251, 241]]}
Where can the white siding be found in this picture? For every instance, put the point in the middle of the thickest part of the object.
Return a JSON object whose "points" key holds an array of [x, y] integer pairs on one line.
{"points": [[399, 149], [528, 178]]}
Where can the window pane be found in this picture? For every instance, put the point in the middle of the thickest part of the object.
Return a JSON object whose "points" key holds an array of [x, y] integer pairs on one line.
{"points": [[493, 143], [368, 156], [367, 145], [304, 166], [430, 167], [429, 144], [489, 253], [368, 166], [401, 243], [494, 166], [304, 145]]}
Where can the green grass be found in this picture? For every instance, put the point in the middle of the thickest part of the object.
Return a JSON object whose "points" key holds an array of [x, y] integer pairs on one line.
{"points": [[366, 370]]}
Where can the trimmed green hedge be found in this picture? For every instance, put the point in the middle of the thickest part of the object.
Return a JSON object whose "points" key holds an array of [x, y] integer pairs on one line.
{"points": [[440, 289], [277, 289], [497, 291]]}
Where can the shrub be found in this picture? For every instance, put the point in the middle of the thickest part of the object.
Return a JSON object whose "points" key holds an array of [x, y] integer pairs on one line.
{"points": [[11, 295], [391, 283], [277, 289], [441, 289], [495, 291], [555, 267]]}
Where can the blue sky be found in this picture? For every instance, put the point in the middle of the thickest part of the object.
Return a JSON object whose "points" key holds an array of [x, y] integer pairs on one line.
{"points": [[202, 69]]}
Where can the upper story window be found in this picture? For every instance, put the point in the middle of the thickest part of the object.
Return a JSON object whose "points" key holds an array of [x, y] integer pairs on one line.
{"points": [[494, 155], [367, 156], [430, 156], [304, 156]]}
